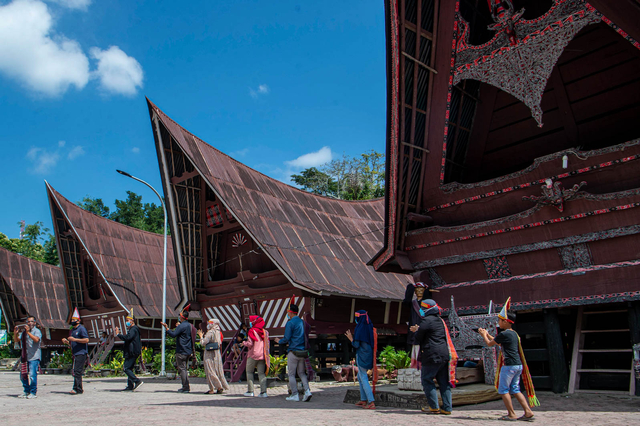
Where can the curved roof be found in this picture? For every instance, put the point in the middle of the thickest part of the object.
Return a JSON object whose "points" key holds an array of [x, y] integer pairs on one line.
{"points": [[131, 260], [321, 244], [38, 286]]}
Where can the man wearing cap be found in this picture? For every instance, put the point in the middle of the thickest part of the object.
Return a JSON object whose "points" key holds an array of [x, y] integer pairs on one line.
{"points": [[294, 336], [185, 338], [132, 350], [78, 340]]}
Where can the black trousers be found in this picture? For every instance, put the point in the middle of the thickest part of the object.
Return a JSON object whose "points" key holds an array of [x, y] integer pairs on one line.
{"points": [[78, 370], [129, 365]]}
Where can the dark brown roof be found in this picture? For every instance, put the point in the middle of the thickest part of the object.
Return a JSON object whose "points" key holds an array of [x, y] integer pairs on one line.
{"points": [[38, 286], [130, 260], [321, 244]]}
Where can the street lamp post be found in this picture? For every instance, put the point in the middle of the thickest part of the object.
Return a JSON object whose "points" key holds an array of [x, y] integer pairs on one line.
{"points": [[164, 269]]}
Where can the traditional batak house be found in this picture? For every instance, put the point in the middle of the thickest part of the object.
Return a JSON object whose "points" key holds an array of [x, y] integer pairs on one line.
{"points": [[512, 163], [245, 243], [29, 287], [110, 268]]}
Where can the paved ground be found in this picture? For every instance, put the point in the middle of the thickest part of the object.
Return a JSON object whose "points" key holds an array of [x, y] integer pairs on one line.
{"points": [[157, 403]]}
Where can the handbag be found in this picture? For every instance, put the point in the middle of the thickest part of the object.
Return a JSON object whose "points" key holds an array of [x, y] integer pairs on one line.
{"points": [[213, 346]]}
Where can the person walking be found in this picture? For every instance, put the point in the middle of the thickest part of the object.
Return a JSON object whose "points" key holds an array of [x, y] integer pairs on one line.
{"points": [[132, 350], [511, 366], [185, 335], [29, 337], [212, 342], [365, 342], [78, 340], [439, 357], [258, 346], [294, 336]]}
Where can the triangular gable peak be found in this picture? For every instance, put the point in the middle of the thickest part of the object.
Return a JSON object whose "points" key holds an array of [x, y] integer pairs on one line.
{"points": [[319, 245], [472, 81], [108, 266], [29, 287]]}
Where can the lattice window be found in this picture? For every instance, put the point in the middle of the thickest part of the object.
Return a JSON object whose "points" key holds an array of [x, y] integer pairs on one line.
{"points": [[10, 304], [464, 99]]}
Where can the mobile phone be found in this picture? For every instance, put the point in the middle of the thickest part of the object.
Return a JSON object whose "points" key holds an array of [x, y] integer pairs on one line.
{"points": [[476, 330]]}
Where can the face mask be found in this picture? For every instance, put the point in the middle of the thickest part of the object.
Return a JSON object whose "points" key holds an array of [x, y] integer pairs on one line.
{"points": [[128, 324], [421, 312], [250, 324], [74, 323], [209, 326]]}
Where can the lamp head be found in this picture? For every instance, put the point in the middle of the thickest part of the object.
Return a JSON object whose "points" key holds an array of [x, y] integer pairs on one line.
{"points": [[124, 173]]}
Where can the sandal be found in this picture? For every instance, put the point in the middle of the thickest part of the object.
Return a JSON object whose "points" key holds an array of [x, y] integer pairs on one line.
{"points": [[507, 418], [219, 391], [210, 392], [361, 403], [526, 419], [370, 406]]}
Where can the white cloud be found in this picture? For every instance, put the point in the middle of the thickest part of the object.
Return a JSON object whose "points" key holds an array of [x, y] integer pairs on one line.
{"points": [[312, 159], [61, 144], [42, 160], [33, 54], [117, 72], [135, 150], [262, 89], [73, 4], [76, 152], [239, 153]]}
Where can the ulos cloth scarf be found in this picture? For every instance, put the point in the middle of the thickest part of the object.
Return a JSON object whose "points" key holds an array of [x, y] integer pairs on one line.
{"points": [[24, 364], [526, 376], [453, 357]]}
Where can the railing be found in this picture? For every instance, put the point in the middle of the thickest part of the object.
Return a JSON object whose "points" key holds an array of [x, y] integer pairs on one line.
{"points": [[235, 366], [99, 352]]}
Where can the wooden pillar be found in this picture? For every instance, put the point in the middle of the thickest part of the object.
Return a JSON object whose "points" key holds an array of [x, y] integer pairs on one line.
{"points": [[555, 349], [634, 331]]}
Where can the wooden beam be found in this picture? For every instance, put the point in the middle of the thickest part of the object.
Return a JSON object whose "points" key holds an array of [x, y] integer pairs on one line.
{"points": [[576, 356], [555, 348], [422, 64], [568, 120], [634, 328], [183, 177]]}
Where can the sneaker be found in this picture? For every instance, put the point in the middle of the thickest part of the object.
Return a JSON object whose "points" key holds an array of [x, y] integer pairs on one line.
{"points": [[183, 390], [32, 396], [293, 398], [446, 413], [140, 383], [248, 394], [307, 396], [127, 390], [262, 395], [23, 396], [429, 410]]}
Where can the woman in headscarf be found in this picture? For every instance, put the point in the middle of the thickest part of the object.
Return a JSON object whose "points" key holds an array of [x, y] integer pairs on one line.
{"points": [[258, 347], [212, 358], [365, 342]]}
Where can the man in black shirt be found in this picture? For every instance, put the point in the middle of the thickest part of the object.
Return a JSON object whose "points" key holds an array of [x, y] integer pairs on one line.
{"points": [[78, 340], [185, 338], [431, 335], [132, 350], [509, 381]]}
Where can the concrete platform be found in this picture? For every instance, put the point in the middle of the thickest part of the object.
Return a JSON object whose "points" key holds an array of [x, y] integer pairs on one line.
{"points": [[390, 396]]}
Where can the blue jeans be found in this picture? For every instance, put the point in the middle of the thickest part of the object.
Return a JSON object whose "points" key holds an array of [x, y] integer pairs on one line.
{"points": [[33, 378], [440, 372], [365, 388], [509, 381]]}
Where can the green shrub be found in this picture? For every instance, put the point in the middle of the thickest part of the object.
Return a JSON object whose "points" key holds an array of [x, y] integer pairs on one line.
{"points": [[394, 360], [278, 363]]}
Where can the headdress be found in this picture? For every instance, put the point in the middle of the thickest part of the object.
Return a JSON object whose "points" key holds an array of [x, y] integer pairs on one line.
{"points": [[420, 284], [430, 307], [185, 309], [76, 315], [256, 331], [130, 315], [505, 309], [293, 308]]}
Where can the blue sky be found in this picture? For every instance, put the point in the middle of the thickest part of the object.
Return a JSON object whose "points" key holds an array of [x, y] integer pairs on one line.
{"points": [[279, 85]]}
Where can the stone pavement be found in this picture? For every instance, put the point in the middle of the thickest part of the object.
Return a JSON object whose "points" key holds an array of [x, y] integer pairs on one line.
{"points": [[158, 403]]}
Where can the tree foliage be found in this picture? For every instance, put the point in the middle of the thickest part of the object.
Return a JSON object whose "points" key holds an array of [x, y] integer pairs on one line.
{"points": [[347, 178], [95, 206], [36, 243], [131, 212]]}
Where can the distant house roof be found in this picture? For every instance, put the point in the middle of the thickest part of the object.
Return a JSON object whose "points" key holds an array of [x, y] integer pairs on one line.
{"points": [[321, 244], [38, 287], [129, 259]]}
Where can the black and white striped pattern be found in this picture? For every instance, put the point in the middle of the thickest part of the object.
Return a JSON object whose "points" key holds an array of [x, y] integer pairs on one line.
{"points": [[274, 311], [229, 316]]}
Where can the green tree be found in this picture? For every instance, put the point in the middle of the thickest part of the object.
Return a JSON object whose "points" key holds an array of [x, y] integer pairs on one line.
{"points": [[315, 181], [94, 205], [50, 255], [33, 244], [132, 212]]}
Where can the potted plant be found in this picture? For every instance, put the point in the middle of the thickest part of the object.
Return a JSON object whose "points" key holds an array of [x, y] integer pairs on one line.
{"points": [[54, 365], [393, 360], [276, 369], [117, 362]]}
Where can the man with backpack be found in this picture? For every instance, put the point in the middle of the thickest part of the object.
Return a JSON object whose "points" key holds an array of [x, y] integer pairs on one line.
{"points": [[132, 350]]}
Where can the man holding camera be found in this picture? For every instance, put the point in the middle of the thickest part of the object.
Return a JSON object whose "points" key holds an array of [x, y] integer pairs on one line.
{"points": [[29, 337]]}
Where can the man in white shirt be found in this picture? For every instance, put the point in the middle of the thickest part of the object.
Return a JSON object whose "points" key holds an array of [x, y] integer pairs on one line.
{"points": [[30, 338]]}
